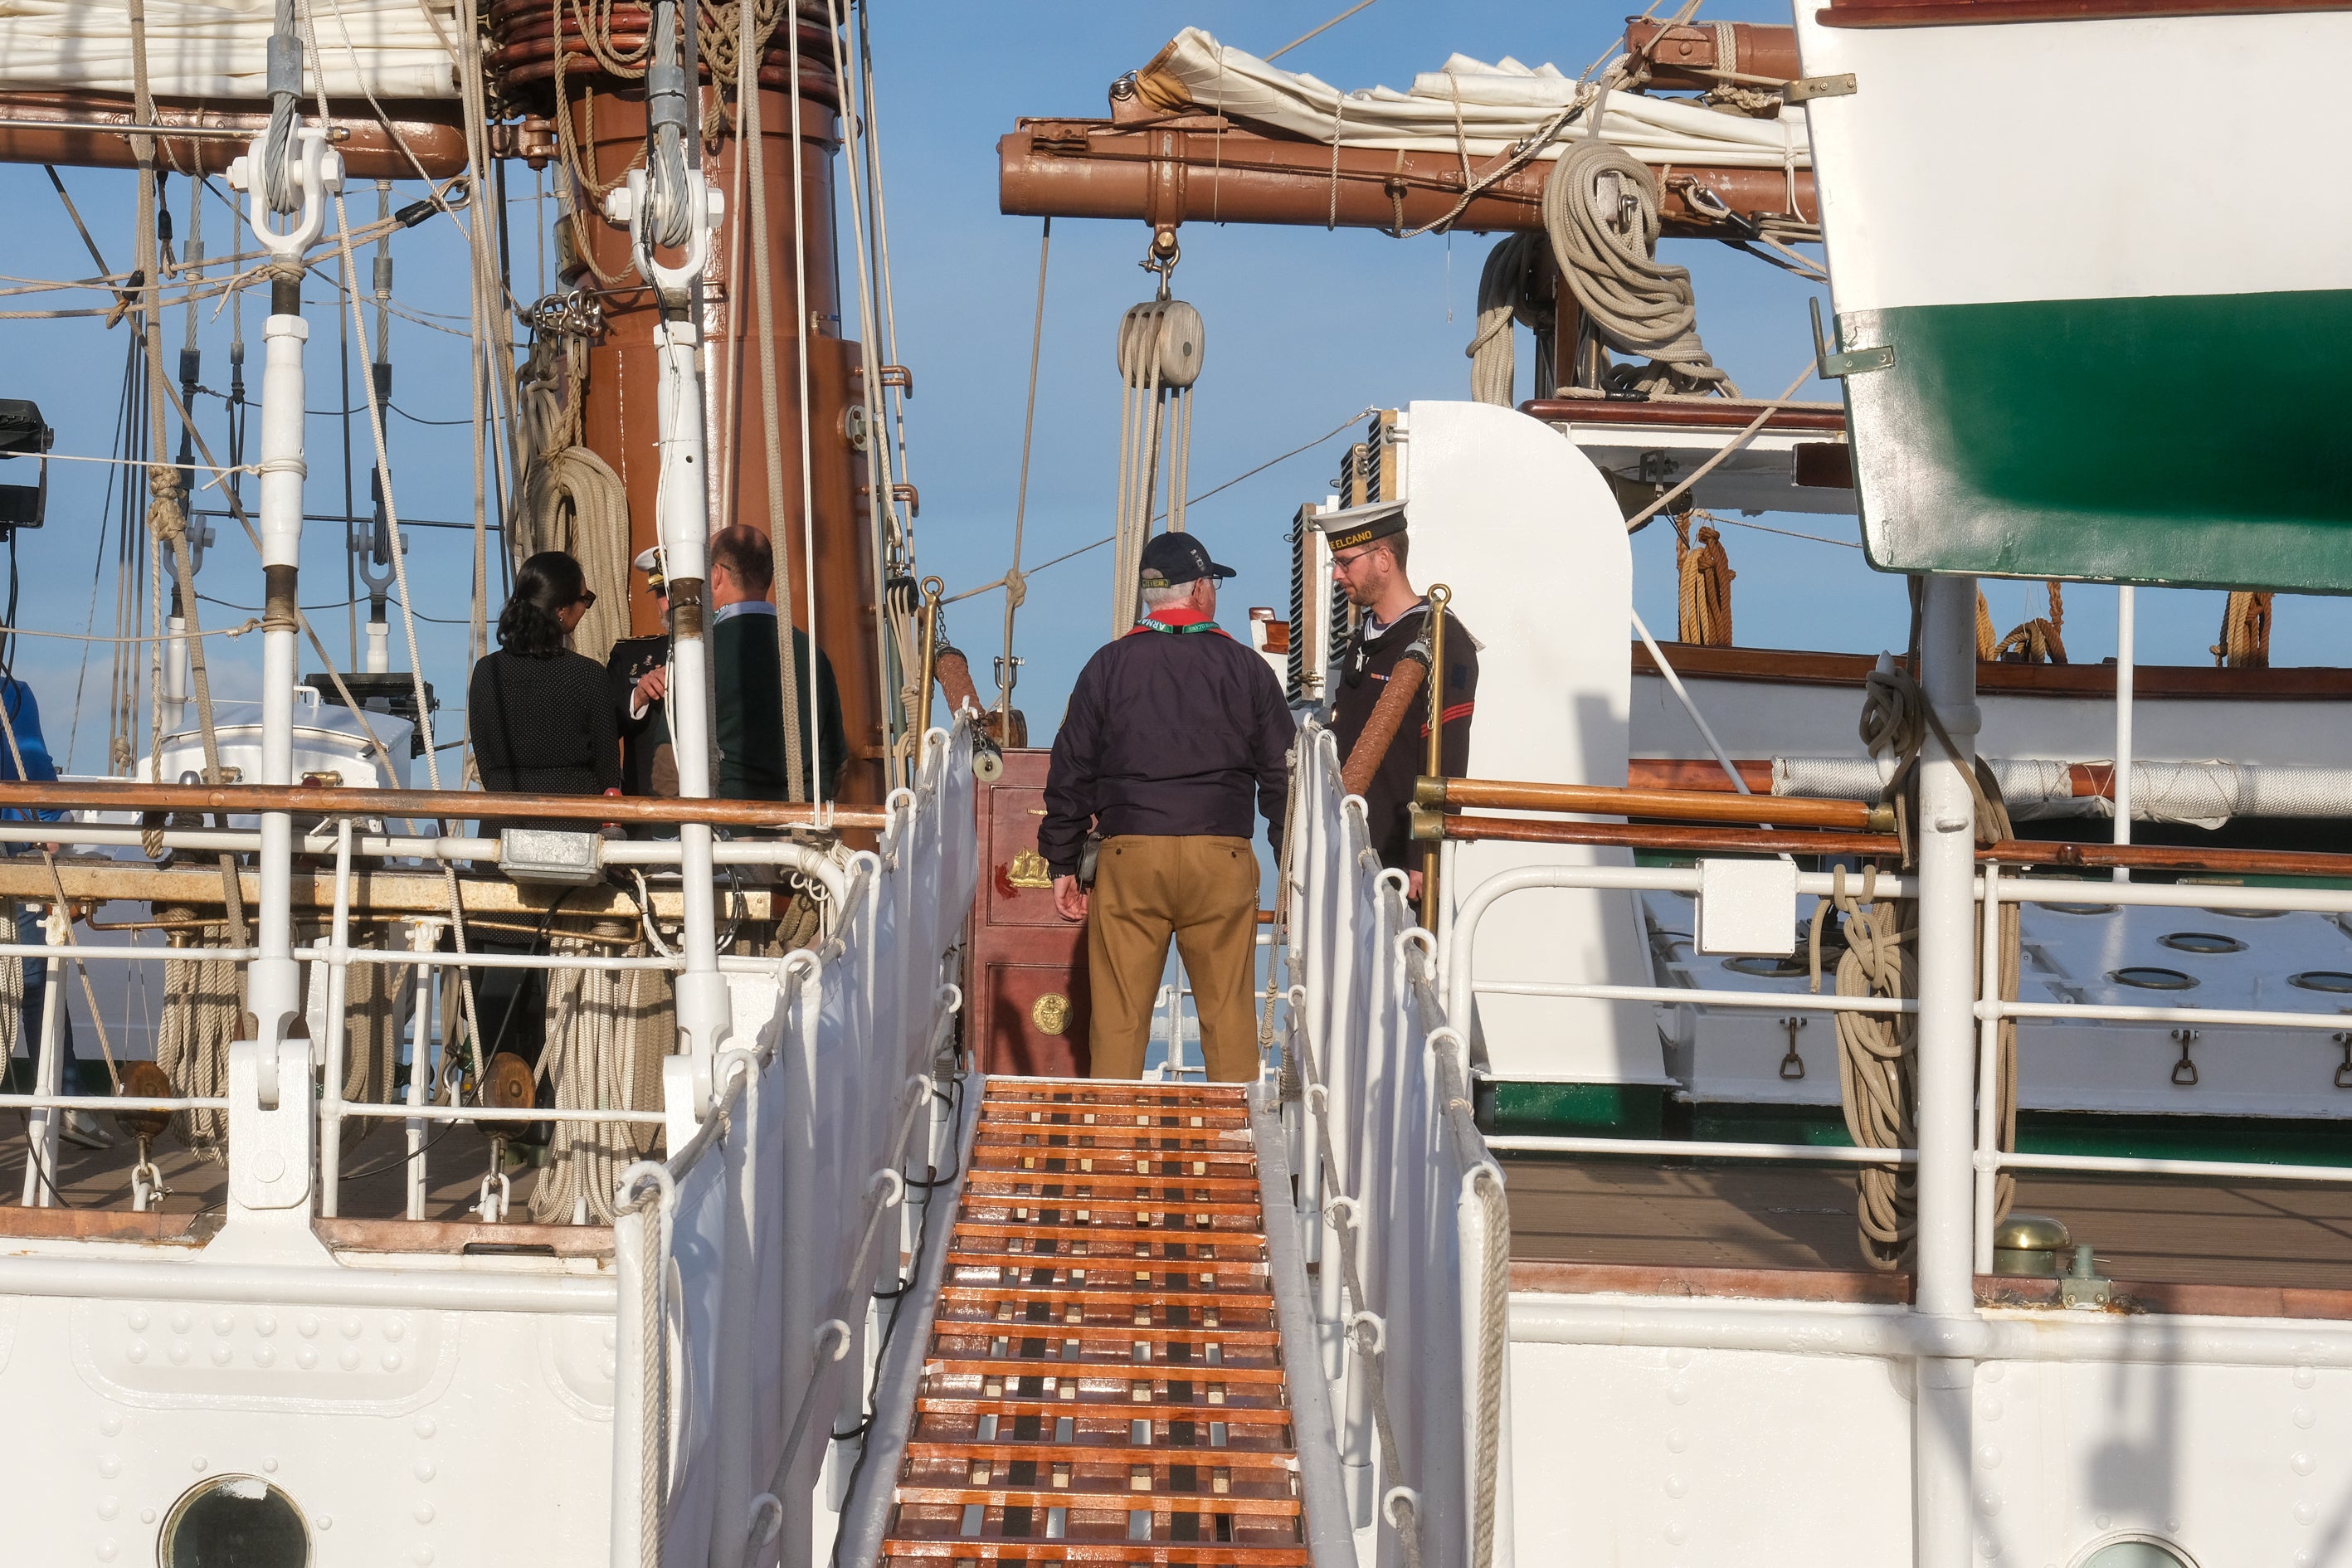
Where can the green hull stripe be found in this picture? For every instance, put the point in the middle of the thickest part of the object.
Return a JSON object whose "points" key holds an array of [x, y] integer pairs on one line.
{"points": [[2191, 440]]}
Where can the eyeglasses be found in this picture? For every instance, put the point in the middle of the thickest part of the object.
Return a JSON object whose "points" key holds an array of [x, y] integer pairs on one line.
{"points": [[1347, 562], [587, 599]]}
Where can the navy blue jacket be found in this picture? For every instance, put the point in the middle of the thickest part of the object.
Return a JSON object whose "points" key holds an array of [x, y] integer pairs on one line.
{"points": [[1176, 734]]}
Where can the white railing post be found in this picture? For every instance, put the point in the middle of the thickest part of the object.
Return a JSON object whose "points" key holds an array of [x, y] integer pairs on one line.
{"points": [[424, 935], [1943, 1254], [339, 980], [1988, 1027], [42, 1121]]}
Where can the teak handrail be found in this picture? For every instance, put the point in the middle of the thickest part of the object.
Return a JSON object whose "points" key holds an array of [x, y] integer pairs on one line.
{"points": [[1685, 805]]}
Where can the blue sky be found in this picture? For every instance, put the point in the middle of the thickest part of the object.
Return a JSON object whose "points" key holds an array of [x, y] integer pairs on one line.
{"points": [[1303, 327]]}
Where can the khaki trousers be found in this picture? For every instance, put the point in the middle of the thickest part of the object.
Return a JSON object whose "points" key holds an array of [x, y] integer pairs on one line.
{"points": [[1204, 893]]}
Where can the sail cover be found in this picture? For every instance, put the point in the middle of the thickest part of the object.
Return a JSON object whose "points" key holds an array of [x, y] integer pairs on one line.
{"points": [[215, 50], [1467, 106]]}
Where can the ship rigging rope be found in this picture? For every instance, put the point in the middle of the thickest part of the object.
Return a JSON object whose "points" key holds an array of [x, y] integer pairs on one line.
{"points": [[479, 230], [751, 155], [884, 527], [167, 521], [1878, 1059], [1015, 582], [1746, 433], [2036, 641]]}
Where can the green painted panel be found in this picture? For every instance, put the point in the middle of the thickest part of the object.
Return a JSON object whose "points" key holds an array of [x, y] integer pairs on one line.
{"points": [[2190, 440], [1570, 1110]]}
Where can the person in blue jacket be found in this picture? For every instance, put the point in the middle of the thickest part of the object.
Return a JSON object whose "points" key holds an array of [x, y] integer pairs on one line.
{"points": [[78, 1078]]}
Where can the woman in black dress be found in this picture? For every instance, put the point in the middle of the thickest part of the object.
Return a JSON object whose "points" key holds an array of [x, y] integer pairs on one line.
{"points": [[543, 723], [541, 716]]}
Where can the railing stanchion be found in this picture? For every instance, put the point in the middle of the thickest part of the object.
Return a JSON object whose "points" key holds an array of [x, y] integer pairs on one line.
{"points": [[423, 936], [339, 980], [1988, 1027]]}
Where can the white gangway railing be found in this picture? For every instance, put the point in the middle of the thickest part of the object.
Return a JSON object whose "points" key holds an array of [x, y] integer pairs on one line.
{"points": [[749, 1262], [1400, 1208]]}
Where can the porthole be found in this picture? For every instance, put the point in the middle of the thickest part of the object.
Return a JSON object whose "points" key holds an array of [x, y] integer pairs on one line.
{"points": [[2202, 942], [2151, 977], [235, 1522], [2333, 981], [2135, 1551]]}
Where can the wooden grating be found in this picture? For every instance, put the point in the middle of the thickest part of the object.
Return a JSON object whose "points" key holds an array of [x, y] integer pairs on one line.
{"points": [[1105, 1381]]}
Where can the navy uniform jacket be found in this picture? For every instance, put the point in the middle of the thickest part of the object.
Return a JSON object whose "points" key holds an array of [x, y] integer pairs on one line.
{"points": [[1173, 731], [1363, 676]]}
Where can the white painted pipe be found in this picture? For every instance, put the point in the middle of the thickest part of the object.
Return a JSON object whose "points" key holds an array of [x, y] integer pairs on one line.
{"points": [[1853, 1328], [273, 981], [2126, 624], [625, 1549], [43, 1125], [2146, 1165], [1693, 996], [422, 936], [1943, 1252], [684, 523], [175, 671]]}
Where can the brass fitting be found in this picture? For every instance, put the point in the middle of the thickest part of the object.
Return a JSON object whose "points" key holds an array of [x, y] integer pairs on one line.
{"points": [[1429, 792]]}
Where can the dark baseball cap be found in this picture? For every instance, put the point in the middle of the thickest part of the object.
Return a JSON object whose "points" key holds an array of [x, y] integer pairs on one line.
{"points": [[1170, 560]]}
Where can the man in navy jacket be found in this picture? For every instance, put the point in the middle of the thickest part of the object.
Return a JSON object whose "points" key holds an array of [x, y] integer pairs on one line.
{"points": [[1176, 739]]}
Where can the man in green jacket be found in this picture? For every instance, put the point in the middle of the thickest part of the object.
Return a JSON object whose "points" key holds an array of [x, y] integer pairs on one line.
{"points": [[749, 690]]}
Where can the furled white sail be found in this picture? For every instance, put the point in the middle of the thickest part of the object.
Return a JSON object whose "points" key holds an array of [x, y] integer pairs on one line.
{"points": [[215, 49], [1468, 106]]}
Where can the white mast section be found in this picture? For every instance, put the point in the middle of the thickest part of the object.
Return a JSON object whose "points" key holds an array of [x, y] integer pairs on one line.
{"points": [[670, 202]]}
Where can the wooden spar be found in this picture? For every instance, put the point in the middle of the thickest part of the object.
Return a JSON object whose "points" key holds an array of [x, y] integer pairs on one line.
{"points": [[1603, 800], [448, 804], [1430, 825], [618, 415], [430, 132], [1684, 57], [1198, 167]]}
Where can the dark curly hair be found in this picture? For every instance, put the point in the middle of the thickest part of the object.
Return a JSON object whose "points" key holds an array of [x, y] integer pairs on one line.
{"points": [[544, 586]]}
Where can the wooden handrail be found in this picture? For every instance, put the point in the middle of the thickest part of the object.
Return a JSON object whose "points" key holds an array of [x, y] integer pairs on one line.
{"points": [[447, 804], [1429, 825], [1685, 805]]}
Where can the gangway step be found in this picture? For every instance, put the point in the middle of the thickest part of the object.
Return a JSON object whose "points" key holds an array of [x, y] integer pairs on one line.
{"points": [[1105, 1381]]}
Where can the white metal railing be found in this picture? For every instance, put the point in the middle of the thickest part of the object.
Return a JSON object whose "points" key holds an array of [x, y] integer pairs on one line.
{"points": [[1401, 1210], [1464, 986], [428, 1098], [748, 1263]]}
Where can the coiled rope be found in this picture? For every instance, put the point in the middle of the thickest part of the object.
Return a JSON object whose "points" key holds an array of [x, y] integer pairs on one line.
{"points": [[1703, 576], [1601, 211], [572, 500], [2246, 633], [607, 1032], [1878, 1053], [1505, 299]]}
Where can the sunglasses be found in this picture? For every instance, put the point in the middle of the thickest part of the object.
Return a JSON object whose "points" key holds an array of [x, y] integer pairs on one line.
{"points": [[587, 599]]}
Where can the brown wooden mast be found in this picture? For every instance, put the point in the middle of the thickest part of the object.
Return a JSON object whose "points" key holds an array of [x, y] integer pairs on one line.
{"points": [[618, 420]]}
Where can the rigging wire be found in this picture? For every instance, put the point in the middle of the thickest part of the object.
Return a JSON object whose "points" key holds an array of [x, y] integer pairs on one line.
{"points": [[1190, 501], [1316, 32]]}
